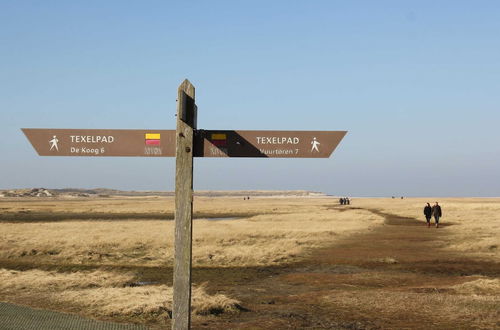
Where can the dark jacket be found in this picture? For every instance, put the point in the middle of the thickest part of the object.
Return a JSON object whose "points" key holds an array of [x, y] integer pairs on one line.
{"points": [[436, 211], [428, 211]]}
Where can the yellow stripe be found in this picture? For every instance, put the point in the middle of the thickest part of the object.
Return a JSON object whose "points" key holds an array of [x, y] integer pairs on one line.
{"points": [[219, 136], [152, 136]]}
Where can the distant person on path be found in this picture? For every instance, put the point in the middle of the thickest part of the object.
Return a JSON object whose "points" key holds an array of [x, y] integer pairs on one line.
{"points": [[341, 201], [347, 201], [437, 213], [428, 214]]}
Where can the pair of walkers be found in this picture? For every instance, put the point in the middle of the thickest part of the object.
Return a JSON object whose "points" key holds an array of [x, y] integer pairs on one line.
{"points": [[433, 211], [344, 201]]}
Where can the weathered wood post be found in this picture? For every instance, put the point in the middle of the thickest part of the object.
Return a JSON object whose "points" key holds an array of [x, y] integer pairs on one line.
{"points": [[186, 123]]}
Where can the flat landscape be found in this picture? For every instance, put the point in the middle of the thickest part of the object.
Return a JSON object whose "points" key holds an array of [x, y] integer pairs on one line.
{"points": [[268, 262]]}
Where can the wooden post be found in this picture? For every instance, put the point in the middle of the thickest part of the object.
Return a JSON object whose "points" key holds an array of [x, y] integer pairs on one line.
{"points": [[186, 123]]}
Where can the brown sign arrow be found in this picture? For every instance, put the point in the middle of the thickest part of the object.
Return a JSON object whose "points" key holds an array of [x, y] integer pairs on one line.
{"points": [[271, 144], [161, 143], [102, 142]]}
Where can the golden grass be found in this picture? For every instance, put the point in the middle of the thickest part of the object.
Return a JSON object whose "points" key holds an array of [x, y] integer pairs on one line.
{"points": [[283, 229], [482, 286], [45, 281], [453, 308], [286, 229], [277, 231], [105, 293]]}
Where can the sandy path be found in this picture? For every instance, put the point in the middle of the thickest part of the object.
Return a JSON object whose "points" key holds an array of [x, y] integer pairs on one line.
{"points": [[393, 277]]}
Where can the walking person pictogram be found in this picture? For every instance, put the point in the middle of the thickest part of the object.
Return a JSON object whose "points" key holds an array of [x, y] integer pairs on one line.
{"points": [[53, 143], [315, 145]]}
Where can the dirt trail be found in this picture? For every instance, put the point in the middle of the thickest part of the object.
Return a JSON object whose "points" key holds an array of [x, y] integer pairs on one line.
{"points": [[388, 278]]}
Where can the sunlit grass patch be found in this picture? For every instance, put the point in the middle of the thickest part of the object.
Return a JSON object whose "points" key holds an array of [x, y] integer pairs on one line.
{"points": [[105, 293]]}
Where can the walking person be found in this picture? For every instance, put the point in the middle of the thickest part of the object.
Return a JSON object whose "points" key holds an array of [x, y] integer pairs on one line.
{"points": [[428, 214], [437, 213]]}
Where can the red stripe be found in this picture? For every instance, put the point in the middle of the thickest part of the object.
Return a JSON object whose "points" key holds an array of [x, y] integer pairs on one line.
{"points": [[219, 143], [153, 142]]}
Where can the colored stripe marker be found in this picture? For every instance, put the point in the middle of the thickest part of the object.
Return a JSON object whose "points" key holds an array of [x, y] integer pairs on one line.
{"points": [[153, 142], [218, 136], [219, 143], [153, 136], [218, 139], [152, 139]]}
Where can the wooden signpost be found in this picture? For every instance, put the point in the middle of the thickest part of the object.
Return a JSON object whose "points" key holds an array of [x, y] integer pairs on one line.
{"points": [[184, 143], [186, 124]]}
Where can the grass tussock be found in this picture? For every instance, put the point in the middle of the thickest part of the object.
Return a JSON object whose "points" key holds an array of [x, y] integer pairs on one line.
{"points": [[453, 308], [105, 293], [482, 286], [206, 304], [20, 281]]}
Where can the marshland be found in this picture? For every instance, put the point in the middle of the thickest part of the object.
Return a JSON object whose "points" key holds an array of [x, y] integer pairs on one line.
{"points": [[264, 262]]}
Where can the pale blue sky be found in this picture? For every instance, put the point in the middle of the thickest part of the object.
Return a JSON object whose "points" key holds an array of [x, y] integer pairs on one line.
{"points": [[416, 84]]}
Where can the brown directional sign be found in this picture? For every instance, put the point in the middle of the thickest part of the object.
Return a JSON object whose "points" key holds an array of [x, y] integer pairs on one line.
{"points": [[161, 143], [102, 142], [184, 143], [272, 144]]}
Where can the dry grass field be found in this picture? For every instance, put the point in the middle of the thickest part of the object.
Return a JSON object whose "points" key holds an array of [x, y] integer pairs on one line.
{"points": [[267, 231], [111, 258]]}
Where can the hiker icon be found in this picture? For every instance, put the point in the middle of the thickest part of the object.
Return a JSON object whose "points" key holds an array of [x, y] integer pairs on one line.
{"points": [[315, 145], [53, 143]]}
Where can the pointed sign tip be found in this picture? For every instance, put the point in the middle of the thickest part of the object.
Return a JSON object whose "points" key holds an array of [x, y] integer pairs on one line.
{"points": [[187, 87], [186, 82]]}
